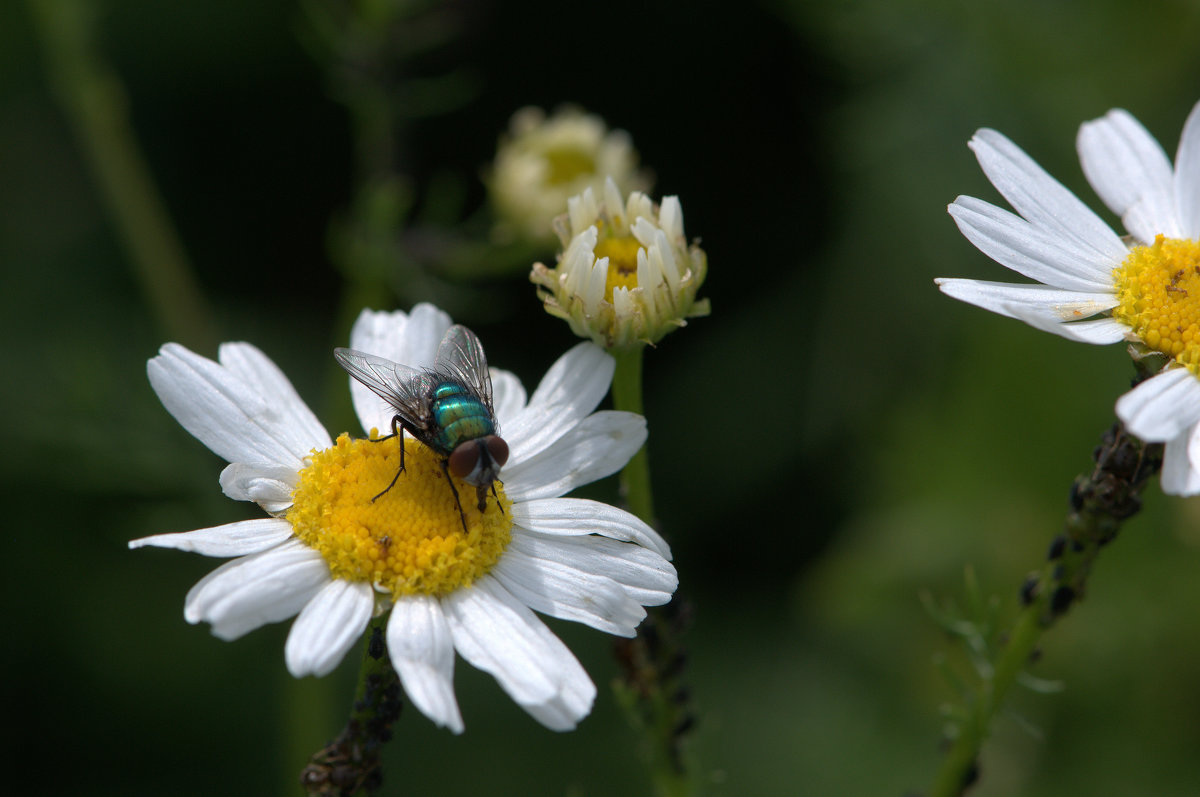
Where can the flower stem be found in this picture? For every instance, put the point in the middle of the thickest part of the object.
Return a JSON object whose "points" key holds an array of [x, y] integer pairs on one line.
{"points": [[1100, 503], [627, 396], [351, 763], [651, 688]]}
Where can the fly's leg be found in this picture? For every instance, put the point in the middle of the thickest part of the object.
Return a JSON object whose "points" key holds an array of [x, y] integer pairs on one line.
{"points": [[461, 515], [483, 497], [397, 429]]}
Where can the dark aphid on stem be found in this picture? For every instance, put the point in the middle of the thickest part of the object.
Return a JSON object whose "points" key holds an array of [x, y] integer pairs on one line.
{"points": [[447, 406], [1029, 589]]}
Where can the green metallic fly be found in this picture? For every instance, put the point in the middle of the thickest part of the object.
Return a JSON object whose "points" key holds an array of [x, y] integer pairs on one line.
{"points": [[447, 406]]}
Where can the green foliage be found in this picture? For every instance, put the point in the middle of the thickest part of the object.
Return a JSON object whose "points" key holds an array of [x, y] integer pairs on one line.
{"points": [[908, 436]]}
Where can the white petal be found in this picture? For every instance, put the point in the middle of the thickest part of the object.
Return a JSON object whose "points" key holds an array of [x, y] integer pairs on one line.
{"points": [[580, 516], [644, 231], [266, 587], [422, 651], [508, 396], [500, 635], [379, 330], [375, 332], [227, 413], [327, 627], [427, 326], [649, 273], [1180, 475], [576, 691], [592, 292], [582, 210], [638, 206], [568, 593], [410, 340], [599, 446], [1027, 249], [670, 217], [269, 486], [576, 265], [644, 575], [233, 539], [1043, 200], [997, 296], [624, 306], [1163, 407], [252, 366], [1142, 220], [573, 702], [1187, 176], [571, 389], [1100, 331], [664, 258], [1192, 439], [578, 260], [1126, 166], [612, 201], [493, 632]]}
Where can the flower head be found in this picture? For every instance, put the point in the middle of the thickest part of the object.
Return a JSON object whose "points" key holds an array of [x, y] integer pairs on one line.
{"points": [[1095, 287], [468, 583], [544, 161], [627, 275]]}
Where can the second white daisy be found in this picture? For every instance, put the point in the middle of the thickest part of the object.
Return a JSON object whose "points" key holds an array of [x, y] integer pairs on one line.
{"points": [[1091, 285]]}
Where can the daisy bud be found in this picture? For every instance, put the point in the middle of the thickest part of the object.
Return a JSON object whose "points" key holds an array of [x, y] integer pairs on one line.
{"points": [[627, 275]]}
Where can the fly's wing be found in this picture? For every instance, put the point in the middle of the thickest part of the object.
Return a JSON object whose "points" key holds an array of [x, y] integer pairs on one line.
{"points": [[405, 389], [460, 354]]}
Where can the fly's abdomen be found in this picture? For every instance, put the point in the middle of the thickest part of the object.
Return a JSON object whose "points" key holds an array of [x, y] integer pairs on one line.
{"points": [[459, 416]]}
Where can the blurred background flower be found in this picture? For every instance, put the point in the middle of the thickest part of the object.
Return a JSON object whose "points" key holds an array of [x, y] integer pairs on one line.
{"points": [[543, 161], [815, 147]]}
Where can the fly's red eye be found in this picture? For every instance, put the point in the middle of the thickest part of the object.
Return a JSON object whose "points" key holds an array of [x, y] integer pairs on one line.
{"points": [[498, 449], [463, 459]]}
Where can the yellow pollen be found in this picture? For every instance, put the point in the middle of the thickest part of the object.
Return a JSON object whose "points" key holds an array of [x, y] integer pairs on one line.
{"points": [[621, 252], [1159, 290], [566, 163], [411, 539]]}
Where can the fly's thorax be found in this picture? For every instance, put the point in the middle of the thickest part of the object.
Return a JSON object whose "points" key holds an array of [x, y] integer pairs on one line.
{"points": [[1159, 291], [458, 416], [411, 539]]}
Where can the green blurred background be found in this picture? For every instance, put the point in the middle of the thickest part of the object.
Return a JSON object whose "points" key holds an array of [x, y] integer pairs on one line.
{"points": [[814, 147]]}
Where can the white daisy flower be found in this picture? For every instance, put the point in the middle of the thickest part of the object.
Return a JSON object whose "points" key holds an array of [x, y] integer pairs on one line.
{"points": [[1095, 287], [336, 558], [627, 275]]}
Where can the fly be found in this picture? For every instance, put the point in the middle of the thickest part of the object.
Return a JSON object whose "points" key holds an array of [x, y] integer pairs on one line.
{"points": [[447, 406]]}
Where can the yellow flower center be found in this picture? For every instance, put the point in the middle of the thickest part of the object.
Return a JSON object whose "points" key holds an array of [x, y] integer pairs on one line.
{"points": [[1159, 290], [411, 539], [567, 163], [621, 252]]}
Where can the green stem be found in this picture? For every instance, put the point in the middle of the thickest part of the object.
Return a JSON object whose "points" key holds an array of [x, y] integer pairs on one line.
{"points": [[351, 763], [1100, 503], [627, 396], [652, 691], [958, 768], [95, 103]]}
